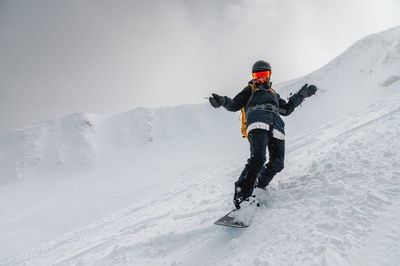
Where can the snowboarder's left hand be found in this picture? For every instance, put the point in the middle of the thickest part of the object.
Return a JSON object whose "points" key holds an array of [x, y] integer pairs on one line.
{"points": [[307, 91], [216, 100]]}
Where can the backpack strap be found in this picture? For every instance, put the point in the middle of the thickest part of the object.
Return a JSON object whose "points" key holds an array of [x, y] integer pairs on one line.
{"points": [[243, 111], [253, 90]]}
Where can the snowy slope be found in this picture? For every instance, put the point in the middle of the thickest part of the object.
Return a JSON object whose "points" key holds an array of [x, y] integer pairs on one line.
{"points": [[60, 175], [338, 193], [170, 172], [367, 72]]}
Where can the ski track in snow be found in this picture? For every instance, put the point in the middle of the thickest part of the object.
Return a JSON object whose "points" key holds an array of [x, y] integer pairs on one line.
{"points": [[336, 203]]}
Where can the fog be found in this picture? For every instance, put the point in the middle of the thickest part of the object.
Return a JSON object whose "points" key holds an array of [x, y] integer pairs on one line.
{"points": [[60, 57]]}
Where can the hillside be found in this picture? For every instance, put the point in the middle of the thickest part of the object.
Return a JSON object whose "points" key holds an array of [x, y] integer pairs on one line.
{"points": [[62, 174], [144, 186], [336, 203]]}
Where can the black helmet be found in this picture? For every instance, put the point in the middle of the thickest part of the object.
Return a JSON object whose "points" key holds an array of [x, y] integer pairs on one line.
{"points": [[261, 66]]}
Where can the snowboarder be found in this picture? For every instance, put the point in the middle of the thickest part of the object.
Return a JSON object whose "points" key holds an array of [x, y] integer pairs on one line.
{"points": [[265, 128]]}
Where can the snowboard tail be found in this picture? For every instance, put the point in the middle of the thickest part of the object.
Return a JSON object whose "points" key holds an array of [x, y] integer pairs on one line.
{"points": [[230, 221]]}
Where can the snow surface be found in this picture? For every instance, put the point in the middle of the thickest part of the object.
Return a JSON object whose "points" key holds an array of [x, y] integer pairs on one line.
{"points": [[144, 187]]}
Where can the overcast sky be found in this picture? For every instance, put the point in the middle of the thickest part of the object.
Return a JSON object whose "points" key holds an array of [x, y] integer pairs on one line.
{"points": [[109, 56]]}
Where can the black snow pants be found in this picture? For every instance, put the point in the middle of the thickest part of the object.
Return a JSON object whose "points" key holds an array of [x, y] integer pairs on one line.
{"points": [[255, 170]]}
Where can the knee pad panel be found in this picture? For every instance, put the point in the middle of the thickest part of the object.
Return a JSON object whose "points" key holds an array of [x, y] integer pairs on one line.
{"points": [[277, 165]]}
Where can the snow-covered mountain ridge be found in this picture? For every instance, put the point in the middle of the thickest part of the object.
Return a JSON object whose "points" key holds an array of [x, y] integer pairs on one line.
{"points": [[79, 141], [365, 73], [337, 194]]}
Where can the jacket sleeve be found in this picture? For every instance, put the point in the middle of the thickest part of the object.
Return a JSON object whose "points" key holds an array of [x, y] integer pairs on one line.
{"points": [[239, 101], [289, 106]]}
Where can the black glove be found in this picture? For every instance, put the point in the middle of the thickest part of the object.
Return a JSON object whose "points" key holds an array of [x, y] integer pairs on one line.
{"points": [[307, 91], [216, 100]]}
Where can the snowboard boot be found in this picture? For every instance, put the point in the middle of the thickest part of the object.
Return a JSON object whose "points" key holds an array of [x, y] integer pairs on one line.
{"points": [[238, 197], [244, 186], [250, 201]]}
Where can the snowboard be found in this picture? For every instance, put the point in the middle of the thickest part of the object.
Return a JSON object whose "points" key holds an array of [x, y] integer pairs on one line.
{"points": [[240, 218], [230, 221]]}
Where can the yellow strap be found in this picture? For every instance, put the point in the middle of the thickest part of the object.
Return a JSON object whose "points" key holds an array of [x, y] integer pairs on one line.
{"points": [[253, 86], [244, 124]]}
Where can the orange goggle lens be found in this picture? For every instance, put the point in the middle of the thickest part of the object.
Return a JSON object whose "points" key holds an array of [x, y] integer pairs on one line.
{"points": [[262, 75]]}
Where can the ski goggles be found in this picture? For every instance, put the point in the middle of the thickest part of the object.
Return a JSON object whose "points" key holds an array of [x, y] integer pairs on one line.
{"points": [[262, 75]]}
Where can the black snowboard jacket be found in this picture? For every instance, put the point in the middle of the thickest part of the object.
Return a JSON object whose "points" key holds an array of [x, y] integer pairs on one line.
{"points": [[262, 96]]}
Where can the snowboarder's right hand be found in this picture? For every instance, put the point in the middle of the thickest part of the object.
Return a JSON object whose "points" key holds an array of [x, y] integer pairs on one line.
{"points": [[307, 91], [216, 100]]}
